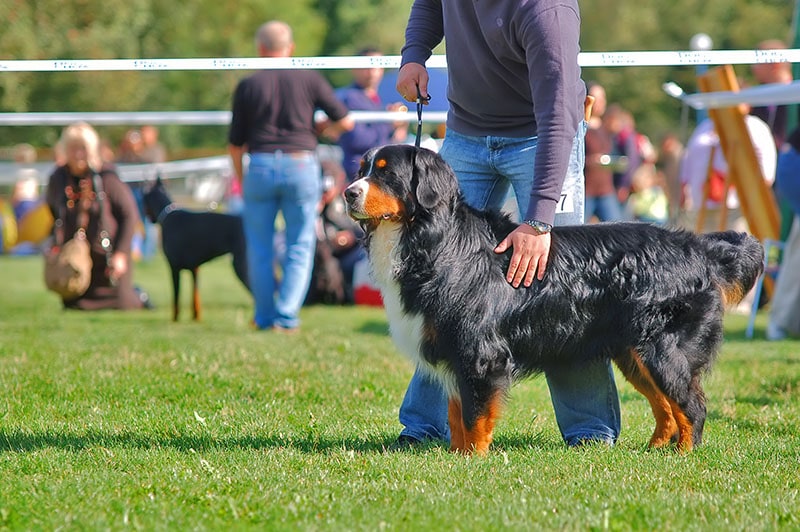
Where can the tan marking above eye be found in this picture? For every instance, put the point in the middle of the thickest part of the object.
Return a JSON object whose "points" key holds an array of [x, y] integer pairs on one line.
{"points": [[380, 163]]}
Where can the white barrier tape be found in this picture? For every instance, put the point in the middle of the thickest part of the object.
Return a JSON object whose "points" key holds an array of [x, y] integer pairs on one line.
{"points": [[684, 58], [203, 167], [208, 118], [585, 59]]}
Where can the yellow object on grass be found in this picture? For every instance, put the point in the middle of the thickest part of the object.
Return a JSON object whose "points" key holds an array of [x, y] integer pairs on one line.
{"points": [[35, 225], [8, 227]]}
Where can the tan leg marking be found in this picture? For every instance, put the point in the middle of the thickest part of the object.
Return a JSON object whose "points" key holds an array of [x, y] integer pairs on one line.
{"points": [[195, 296], [639, 376], [456, 419], [478, 439], [685, 428]]}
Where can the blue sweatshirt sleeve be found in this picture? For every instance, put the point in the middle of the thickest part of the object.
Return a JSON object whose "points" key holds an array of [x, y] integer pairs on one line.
{"points": [[425, 30], [552, 44]]}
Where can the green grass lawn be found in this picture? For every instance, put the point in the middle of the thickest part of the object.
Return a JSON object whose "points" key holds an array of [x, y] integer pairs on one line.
{"points": [[113, 420]]}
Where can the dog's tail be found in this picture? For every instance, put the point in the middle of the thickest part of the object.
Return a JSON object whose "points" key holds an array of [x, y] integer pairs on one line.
{"points": [[736, 260]]}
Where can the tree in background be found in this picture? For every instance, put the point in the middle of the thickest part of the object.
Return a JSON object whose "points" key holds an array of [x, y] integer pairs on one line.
{"points": [[611, 25]]}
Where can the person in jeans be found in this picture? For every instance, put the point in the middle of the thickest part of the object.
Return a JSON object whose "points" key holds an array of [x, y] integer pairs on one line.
{"points": [[515, 122], [273, 121]]}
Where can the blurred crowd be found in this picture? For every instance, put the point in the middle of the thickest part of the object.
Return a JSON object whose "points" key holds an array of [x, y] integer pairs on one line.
{"points": [[628, 175]]}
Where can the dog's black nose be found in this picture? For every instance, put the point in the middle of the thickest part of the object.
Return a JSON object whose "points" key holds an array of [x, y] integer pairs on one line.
{"points": [[351, 193]]}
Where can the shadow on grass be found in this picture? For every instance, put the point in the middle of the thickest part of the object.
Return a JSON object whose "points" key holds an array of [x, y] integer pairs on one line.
{"points": [[376, 327], [18, 441], [22, 442]]}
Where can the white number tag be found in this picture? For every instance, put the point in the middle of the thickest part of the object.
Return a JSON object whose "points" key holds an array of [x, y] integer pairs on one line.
{"points": [[565, 203]]}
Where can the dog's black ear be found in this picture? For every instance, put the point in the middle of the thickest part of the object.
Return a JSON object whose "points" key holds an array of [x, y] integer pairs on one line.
{"points": [[436, 182]]}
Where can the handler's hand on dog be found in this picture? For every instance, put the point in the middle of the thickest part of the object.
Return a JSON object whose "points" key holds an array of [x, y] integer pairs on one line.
{"points": [[531, 251], [409, 77]]}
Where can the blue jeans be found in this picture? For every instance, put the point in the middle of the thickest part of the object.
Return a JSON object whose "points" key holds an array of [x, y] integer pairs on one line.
{"points": [[288, 183], [606, 208], [585, 402]]}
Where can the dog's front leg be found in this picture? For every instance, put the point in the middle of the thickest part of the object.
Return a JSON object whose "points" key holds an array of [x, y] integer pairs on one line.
{"points": [[456, 420], [176, 290], [477, 423]]}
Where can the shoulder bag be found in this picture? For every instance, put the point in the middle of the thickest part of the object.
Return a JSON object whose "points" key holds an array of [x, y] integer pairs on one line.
{"points": [[68, 265]]}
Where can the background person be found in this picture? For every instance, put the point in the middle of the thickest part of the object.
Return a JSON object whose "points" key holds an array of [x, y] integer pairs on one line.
{"points": [[362, 95], [111, 284], [495, 142], [273, 121], [146, 149], [776, 116], [152, 150], [130, 147], [784, 314], [601, 195], [703, 151]]}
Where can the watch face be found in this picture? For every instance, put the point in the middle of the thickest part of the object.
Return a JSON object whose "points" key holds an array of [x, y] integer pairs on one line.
{"points": [[540, 227]]}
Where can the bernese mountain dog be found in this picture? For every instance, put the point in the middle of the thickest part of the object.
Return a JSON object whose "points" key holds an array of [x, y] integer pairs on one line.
{"points": [[649, 298]]}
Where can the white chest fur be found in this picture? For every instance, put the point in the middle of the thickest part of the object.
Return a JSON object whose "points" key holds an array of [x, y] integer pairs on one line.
{"points": [[405, 328], [384, 258]]}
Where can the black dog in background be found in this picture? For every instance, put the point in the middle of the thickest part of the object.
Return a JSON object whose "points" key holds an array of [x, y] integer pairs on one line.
{"points": [[190, 239]]}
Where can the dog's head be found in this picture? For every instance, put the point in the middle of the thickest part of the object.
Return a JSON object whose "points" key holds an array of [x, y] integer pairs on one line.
{"points": [[399, 183], [155, 199]]}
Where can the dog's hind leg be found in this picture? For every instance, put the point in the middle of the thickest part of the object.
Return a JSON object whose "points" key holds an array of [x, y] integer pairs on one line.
{"points": [[634, 370], [700, 412], [685, 427], [691, 416], [195, 295], [675, 395]]}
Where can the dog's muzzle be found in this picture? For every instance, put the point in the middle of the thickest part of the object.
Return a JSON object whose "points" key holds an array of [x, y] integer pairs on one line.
{"points": [[354, 197]]}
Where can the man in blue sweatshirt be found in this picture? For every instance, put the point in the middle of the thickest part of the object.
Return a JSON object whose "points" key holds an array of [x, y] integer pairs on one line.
{"points": [[515, 122]]}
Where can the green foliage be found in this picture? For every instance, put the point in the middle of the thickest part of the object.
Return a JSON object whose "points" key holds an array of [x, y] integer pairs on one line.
{"points": [[94, 29], [111, 420], [609, 25]]}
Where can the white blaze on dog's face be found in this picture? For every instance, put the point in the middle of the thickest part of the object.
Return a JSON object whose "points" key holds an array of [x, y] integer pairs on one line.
{"points": [[368, 198]]}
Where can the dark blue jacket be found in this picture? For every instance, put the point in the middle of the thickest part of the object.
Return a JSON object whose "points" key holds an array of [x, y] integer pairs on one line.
{"points": [[364, 135]]}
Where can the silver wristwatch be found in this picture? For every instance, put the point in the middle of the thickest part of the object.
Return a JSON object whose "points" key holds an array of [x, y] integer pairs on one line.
{"points": [[541, 228]]}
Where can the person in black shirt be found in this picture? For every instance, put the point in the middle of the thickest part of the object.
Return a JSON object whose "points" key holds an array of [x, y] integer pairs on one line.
{"points": [[273, 121]]}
